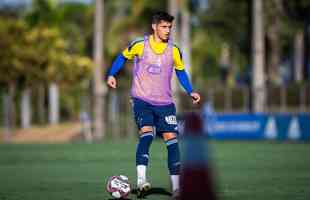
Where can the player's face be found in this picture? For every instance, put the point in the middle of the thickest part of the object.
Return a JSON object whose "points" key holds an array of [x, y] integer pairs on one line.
{"points": [[162, 30]]}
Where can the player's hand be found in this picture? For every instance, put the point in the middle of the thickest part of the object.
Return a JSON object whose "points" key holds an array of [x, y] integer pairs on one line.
{"points": [[111, 82], [196, 97]]}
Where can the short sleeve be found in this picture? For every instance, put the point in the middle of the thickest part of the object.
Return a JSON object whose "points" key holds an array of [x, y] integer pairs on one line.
{"points": [[135, 48], [177, 58]]}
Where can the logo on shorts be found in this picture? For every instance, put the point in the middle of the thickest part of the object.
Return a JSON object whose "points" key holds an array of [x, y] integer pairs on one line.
{"points": [[154, 69], [171, 119]]}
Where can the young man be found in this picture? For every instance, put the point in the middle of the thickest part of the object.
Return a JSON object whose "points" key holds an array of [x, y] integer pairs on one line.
{"points": [[155, 59]]}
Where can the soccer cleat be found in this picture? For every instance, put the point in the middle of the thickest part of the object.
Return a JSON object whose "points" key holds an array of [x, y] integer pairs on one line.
{"points": [[176, 194], [143, 188]]}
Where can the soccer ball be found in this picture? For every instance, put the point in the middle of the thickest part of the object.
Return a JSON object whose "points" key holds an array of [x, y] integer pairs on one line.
{"points": [[118, 186]]}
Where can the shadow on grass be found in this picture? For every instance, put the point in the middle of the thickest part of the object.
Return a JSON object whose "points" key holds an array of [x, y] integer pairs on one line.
{"points": [[152, 191]]}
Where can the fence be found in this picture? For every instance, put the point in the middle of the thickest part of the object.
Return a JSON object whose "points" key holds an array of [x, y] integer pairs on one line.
{"points": [[285, 99], [119, 118], [291, 99]]}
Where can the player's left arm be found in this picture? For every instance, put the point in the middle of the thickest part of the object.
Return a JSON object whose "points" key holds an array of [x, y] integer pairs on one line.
{"points": [[183, 76]]}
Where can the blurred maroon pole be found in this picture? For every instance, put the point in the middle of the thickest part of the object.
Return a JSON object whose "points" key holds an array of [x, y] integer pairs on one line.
{"points": [[196, 178]]}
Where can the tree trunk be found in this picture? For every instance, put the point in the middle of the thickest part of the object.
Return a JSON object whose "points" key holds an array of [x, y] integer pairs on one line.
{"points": [[274, 41], [7, 105], [85, 118], [41, 104], [114, 114], [258, 53], [99, 88], [186, 36], [298, 56], [53, 101], [307, 49], [174, 7], [12, 109], [225, 62], [26, 113], [274, 61], [185, 39]]}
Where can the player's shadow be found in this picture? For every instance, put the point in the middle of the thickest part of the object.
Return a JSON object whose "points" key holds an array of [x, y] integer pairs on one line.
{"points": [[120, 199], [154, 190]]}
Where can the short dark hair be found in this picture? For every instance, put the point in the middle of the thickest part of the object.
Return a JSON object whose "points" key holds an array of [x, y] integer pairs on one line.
{"points": [[161, 16]]}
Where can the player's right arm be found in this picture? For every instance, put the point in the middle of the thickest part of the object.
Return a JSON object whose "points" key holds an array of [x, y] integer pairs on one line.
{"points": [[135, 48]]}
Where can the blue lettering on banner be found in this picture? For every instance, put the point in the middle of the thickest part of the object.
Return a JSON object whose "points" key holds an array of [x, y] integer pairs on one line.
{"points": [[304, 124], [294, 129], [271, 130], [236, 126]]}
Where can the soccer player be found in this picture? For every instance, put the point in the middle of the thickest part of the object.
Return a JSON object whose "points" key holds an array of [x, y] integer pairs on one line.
{"points": [[155, 59]]}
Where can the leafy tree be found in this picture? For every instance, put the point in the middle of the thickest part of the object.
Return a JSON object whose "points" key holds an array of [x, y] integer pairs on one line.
{"points": [[10, 59], [223, 22], [56, 64], [43, 12], [298, 13], [11, 67], [38, 55], [68, 65]]}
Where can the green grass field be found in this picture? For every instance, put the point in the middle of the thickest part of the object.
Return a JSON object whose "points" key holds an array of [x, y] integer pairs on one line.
{"points": [[245, 170]]}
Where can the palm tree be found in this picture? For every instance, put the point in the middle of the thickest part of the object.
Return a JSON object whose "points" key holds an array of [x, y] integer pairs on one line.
{"points": [[258, 53], [274, 11], [99, 89], [299, 13]]}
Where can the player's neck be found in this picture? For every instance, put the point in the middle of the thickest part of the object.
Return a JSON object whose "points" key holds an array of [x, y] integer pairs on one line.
{"points": [[157, 39]]}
